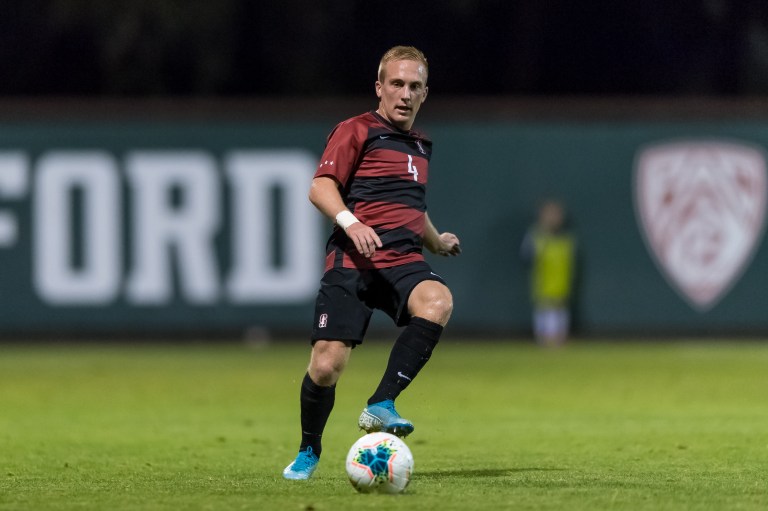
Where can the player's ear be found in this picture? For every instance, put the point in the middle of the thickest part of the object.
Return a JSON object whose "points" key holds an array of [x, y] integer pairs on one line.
{"points": [[378, 89], [426, 90]]}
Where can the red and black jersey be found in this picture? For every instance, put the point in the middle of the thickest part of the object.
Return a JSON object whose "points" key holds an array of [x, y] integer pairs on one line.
{"points": [[382, 171]]}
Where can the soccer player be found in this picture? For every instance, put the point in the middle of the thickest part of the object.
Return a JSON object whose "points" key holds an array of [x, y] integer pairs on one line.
{"points": [[372, 181]]}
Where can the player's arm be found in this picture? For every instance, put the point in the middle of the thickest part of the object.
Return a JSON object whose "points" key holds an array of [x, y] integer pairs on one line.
{"points": [[324, 194], [444, 244]]}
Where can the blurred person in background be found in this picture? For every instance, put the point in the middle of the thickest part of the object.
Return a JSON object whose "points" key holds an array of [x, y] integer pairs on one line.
{"points": [[550, 251], [371, 181]]}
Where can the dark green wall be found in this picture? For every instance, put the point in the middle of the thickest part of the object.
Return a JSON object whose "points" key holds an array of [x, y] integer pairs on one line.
{"points": [[494, 175], [485, 181]]}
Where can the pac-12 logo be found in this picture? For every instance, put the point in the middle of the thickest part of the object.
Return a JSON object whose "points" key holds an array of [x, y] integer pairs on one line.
{"points": [[701, 206]]}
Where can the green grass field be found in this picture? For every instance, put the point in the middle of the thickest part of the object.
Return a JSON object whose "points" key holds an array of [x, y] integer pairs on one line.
{"points": [[627, 426]]}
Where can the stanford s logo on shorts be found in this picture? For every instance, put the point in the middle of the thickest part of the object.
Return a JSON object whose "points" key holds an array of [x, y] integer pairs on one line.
{"points": [[701, 207]]}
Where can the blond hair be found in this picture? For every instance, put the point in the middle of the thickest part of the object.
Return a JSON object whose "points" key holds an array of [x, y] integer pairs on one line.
{"points": [[403, 53]]}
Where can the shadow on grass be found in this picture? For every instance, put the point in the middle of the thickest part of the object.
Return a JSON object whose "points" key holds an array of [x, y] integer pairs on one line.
{"points": [[484, 472]]}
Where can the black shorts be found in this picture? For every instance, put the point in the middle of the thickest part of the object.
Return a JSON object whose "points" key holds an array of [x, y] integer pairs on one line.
{"points": [[347, 298]]}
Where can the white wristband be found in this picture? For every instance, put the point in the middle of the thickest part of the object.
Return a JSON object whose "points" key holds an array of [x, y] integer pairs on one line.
{"points": [[345, 219]]}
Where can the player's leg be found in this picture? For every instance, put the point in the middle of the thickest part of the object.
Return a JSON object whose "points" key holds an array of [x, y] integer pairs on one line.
{"points": [[317, 397], [338, 315], [555, 325], [562, 325], [318, 390], [540, 323], [429, 306]]}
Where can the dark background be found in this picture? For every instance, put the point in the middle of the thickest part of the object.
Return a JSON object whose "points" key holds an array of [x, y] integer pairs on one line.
{"points": [[235, 48]]}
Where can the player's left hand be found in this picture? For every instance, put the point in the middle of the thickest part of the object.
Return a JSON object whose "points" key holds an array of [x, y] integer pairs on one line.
{"points": [[449, 245]]}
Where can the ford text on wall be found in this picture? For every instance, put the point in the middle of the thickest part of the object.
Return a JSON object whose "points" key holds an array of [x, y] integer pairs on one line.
{"points": [[149, 231]]}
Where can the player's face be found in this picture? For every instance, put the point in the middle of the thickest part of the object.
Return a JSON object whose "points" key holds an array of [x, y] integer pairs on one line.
{"points": [[401, 91]]}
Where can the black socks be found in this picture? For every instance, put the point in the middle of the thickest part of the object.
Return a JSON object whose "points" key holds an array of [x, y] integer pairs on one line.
{"points": [[316, 405], [409, 354]]}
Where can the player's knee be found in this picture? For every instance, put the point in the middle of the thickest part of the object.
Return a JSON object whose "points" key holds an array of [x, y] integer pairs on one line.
{"points": [[434, 303], [324, 374], [327, 363], [325, 371], [443, 306]]}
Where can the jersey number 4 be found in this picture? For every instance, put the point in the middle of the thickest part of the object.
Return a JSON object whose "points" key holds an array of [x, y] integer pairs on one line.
{"points": [[412, 168]]}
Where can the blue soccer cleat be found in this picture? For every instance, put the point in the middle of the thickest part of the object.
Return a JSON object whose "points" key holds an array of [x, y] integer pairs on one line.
{"points": [[303, 466], [382, 416]]}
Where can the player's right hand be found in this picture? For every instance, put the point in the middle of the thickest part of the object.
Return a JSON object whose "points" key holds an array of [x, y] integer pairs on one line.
{"points": [[365, 239]]}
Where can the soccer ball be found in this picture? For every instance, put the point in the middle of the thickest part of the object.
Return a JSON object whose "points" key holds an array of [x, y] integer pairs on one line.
{"points": [[379, 462]]}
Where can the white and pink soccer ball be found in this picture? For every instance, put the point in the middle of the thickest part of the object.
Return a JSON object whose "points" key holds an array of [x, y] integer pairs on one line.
{"points": [[379, 462]]}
